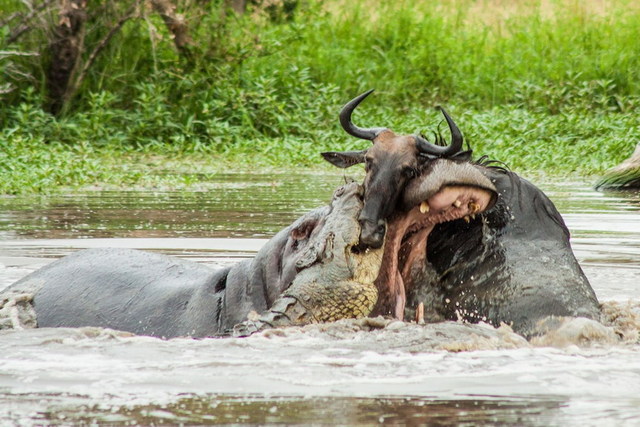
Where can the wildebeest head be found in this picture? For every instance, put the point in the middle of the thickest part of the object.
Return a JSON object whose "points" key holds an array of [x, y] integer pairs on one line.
{"points": [[390, 163]]}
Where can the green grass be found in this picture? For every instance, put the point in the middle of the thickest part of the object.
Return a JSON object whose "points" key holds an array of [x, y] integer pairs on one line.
{"points": [[549, 87], [62, 155]]}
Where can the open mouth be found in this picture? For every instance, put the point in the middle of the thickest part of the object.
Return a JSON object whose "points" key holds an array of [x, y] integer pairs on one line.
{"points": [[430, 200]]}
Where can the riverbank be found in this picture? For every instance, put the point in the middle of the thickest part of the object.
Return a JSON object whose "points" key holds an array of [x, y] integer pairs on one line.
{"points": [[546, 86], [60, 155]]}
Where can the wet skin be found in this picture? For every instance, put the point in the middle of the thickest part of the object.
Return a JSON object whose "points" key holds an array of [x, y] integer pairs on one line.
{"points": [[512, 264]]}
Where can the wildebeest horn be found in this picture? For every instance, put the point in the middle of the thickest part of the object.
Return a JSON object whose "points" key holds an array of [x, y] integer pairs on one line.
{"points": [[350, 128], [424, 146]]}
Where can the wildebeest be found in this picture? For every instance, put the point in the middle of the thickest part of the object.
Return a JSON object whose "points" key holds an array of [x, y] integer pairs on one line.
{"points": [[512, 263]]}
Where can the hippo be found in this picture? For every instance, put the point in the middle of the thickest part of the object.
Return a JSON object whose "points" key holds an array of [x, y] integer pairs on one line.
{"points": [[509, 261], [509, 264], [314, 270]]}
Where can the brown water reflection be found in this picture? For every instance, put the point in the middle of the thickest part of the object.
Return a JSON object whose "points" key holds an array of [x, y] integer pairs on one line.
{"points": [[234, 205], [260, 410]]}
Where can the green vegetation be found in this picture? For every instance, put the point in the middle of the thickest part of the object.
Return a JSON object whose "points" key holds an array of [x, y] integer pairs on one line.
{"points": [[546, 86], [624, 176]]}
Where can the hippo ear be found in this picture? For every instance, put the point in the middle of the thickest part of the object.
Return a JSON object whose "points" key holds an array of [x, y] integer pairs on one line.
{"points": [[344, 159], [303, 230]]}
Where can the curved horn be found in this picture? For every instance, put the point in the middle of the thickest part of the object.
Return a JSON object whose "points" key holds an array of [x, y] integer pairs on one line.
{"points": [[424, 146], [350, 128]]}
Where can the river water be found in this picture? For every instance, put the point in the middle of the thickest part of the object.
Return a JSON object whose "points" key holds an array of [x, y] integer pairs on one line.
{"points": [[345, 373]]}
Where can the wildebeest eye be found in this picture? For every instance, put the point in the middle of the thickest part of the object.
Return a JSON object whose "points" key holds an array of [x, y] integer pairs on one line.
{"points": [[409, 172]]}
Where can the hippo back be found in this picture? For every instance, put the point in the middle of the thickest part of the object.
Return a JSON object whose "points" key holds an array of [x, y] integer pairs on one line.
{"points": [[129, 290]]}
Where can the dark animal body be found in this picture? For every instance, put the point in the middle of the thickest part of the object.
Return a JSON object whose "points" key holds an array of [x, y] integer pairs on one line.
{"points": [[158, 295], [513, 263], [129, 290]]}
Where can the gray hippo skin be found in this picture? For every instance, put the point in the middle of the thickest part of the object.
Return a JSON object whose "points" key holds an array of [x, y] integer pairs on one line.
{"points": [[129, 290], [513, 263]]}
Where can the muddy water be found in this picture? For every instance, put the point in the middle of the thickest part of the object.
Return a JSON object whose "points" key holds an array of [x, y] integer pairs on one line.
{"points": [[343, 373]]}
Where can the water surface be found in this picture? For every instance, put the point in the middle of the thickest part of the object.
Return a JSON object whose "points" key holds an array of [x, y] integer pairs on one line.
{"points": [[441, 374]]}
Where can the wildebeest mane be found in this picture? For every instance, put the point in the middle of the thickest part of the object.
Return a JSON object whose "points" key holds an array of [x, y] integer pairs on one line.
{"points": [[493, 164]]}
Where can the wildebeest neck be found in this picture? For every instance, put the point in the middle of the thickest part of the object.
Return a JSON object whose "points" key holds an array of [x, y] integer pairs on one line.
{"points": [[448, 191]]}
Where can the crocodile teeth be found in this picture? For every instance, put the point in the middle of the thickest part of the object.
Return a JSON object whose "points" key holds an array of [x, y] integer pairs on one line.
{"points": [[424, 207], [457, 203], [467, 219]]}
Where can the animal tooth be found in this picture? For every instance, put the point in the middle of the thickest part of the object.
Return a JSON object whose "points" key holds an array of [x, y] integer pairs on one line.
{"points": [[473, 216], [424, 207], [467, 219], [457, 203], [420, 314]]}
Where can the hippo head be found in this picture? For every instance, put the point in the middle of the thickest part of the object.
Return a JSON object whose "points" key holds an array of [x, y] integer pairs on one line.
{"points": [[444, 190]]}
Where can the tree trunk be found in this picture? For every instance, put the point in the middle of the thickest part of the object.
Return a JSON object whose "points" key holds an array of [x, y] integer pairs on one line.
{"points": [[238, 6], [66, 48], [176, 25]]}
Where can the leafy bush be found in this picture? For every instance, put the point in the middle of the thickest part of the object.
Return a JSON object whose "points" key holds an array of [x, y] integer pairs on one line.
{"points": [[553, 86]]}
